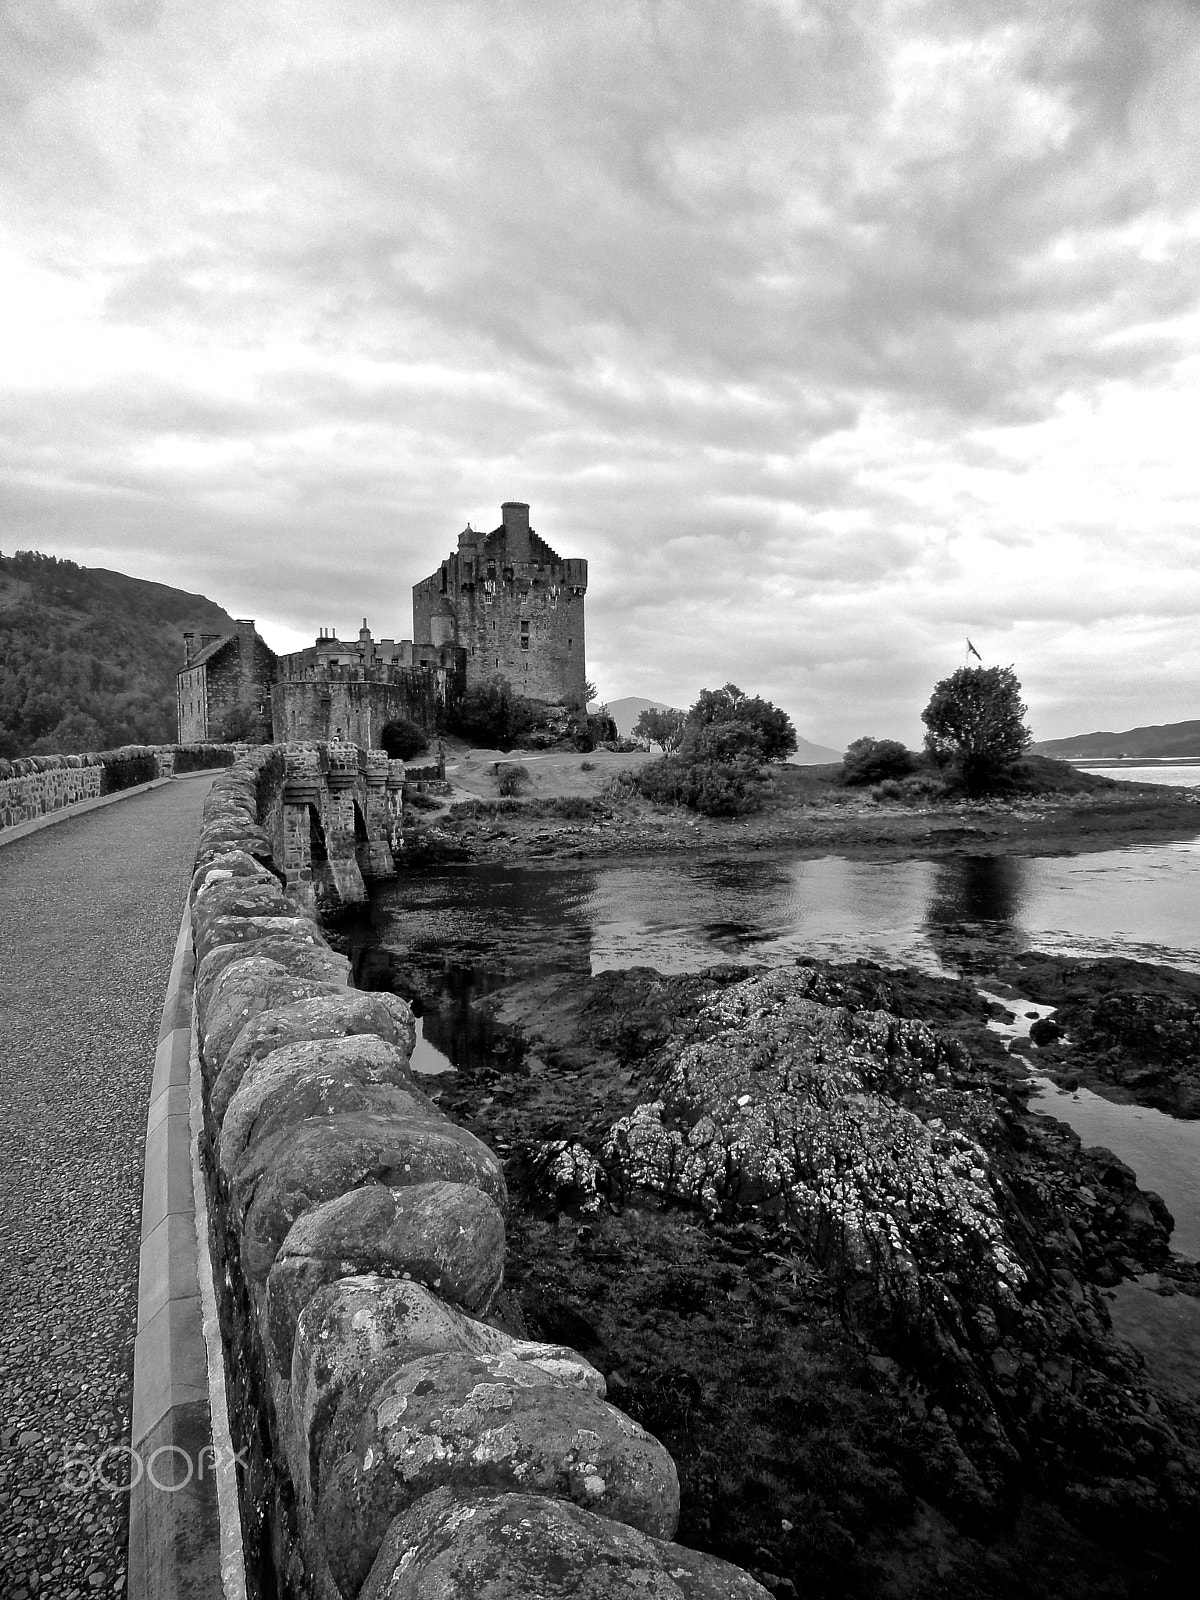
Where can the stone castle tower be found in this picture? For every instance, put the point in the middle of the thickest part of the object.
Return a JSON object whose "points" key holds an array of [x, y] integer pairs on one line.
{"points": [[513, 605]]}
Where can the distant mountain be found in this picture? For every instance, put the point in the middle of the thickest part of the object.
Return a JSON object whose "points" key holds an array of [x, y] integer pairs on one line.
{"points": [[813, 755], [626, 712], [1165, 739], [88, 657]]}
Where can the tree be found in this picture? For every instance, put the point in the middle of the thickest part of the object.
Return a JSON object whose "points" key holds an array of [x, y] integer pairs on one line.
{"points": [[402, 739], [730, 704], [975, 719], [872, 760], [660, 725]]}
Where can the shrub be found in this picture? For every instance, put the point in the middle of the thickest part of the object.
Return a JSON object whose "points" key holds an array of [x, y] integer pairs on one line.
{"points": [[870, 760], [402, 739], [492, 715], [587, 766], [776, 735], [974, 718], [717, 789], [419, 800], [511, 778]]}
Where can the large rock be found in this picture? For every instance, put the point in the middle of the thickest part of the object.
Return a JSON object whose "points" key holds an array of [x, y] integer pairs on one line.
{"points": [[302, 955], [243, 990], [446, 1235], [326, 1064], [300, 1167], [496, 1421], [497, 1546], [790, 1108], [322, 1097], [368, 1325], [333, 1016]]}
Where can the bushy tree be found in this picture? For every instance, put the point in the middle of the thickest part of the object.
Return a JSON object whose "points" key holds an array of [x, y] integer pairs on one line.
{"points": [[492, 714], [662, 726], [975, 720], [241, 724], [403, 739], [731, 704], [873, 760]]}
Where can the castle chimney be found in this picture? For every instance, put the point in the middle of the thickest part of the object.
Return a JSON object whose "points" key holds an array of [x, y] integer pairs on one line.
{"points": [[189, 647], [516, 529]]}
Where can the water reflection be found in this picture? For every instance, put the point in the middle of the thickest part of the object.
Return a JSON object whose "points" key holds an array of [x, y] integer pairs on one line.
{"points": [[684, 914]]}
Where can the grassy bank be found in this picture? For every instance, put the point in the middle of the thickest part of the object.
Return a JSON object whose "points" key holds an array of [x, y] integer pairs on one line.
{"points": [[576, 806]]}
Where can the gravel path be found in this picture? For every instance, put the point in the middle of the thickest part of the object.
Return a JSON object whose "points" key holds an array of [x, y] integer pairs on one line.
{"points": [[89, 912]]}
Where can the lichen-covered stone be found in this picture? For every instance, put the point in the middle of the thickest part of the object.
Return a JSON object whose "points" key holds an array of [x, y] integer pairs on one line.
{"points": [[448, 1236], [496, 1421], [304, 1097], [284, 1176], [244, 989], [241, 933], [366, 1324], [498, 1546], [361, 1058], [230, 864], [235, 897], [301, 956], [332, 1016]]}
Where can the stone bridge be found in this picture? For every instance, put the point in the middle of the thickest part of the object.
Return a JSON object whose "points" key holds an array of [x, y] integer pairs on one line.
{"points": [[334, 821]]}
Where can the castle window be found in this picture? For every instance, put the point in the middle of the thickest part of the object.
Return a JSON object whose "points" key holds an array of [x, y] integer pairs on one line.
{"points": [[524, 636]]}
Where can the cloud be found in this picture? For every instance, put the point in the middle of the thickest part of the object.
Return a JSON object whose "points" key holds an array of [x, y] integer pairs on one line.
{"points": [[827, 333]]}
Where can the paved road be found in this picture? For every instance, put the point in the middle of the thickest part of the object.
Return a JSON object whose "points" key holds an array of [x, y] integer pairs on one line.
{"points": [[89, 912]]}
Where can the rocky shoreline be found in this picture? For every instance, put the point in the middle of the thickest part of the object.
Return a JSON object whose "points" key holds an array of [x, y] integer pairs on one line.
{"points": [[804, 1221]]}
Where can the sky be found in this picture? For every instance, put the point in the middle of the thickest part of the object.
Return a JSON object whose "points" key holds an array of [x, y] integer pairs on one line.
{"points": [[830, 332]]}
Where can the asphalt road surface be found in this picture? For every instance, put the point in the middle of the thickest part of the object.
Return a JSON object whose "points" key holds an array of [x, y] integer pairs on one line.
{"points": [[89, 913]]}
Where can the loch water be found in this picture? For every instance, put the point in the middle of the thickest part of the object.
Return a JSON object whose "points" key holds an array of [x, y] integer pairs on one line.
{"points": [[682, 914]]}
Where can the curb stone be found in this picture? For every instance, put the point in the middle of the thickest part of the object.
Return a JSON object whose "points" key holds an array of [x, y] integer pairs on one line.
{"points": [[184, 1523]]}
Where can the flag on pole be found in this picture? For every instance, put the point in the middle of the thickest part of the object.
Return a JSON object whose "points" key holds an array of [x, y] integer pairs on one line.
{"points": [[971, 651]]}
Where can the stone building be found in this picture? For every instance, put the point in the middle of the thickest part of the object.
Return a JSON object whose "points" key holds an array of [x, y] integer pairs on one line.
{"points": [[343, 689], [513, 605], [219, 672]]}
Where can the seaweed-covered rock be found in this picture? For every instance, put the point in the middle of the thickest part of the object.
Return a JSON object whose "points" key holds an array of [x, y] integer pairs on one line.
{"points": [[299, 1167], [497, 1546], [796, 1110], [446, 1235], [488, 1421], [328, 1016]]}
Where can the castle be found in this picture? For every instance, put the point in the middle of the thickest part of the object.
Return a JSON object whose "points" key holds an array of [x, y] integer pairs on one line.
{"points": [[504, 605], [513, 605]]}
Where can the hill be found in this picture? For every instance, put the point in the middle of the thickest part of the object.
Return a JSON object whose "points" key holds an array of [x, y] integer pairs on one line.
{"points": [[88, 657], [626, 712], [1165, 739]]}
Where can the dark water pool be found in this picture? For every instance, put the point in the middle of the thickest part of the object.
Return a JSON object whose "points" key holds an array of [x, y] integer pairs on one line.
{"points": [[681, 914]]}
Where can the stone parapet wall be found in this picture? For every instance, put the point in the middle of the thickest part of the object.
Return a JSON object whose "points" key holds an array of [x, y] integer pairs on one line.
{"points": [[33, 786], [415, 1445]]}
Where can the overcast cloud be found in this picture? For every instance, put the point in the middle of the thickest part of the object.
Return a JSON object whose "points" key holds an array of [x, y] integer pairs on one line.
{"points": [[829, 333]]}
